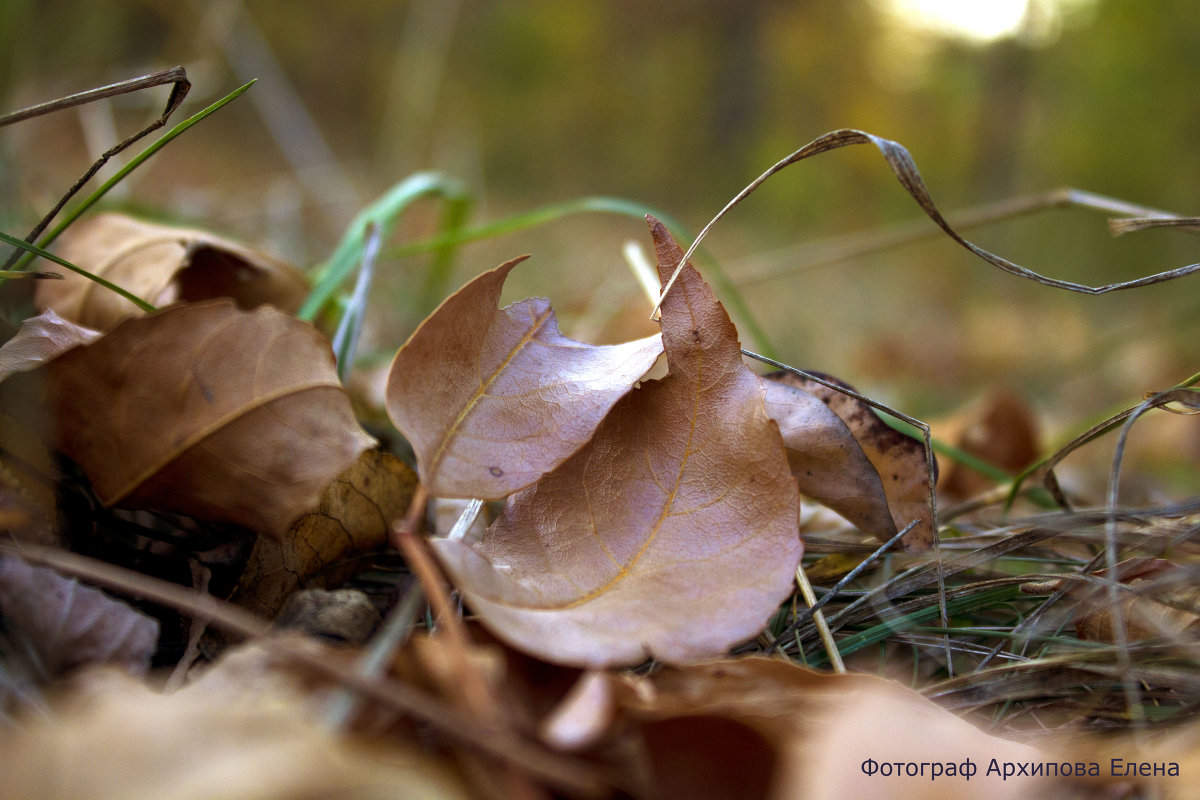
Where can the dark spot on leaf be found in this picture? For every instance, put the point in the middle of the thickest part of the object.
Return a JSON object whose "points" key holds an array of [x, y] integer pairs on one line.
{"points": [[496, 472], [696, 336]]}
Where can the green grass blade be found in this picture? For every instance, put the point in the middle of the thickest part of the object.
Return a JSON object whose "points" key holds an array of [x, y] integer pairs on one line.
{"points": [[383, 212], [133, 164], [38, 251], [456, 210], [594, 204], [345, 339], [905, 622]]}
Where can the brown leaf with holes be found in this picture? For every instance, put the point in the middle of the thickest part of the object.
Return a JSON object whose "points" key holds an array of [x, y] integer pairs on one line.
{"points": [[672, 534], [826, 460], [162, 265], [808, 734], [353, 517], [492, 399], [898, 460], [206, 410]]}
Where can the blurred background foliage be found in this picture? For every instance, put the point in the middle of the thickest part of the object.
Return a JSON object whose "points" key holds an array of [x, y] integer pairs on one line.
{"points": [[678, 104]]}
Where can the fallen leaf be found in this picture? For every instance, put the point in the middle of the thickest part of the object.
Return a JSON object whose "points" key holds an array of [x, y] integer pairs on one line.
{"points": [[812, 734], [672, 534], [899, 460], [162, 265], [826, 460], [1156, 603], [206, 410], [1000, 429], [492, 399], [352, 517], [41, 339], [69, 625], [116, 738]]}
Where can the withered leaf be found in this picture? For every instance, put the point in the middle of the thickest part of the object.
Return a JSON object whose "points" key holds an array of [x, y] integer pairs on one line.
{"points": [[1161, 601], [39, 340], [491, 399], [826, 460], [1000, 429], [673, 533], [353, 517], [206, 410], [899, 460], [162, 265], [27, 467], [70, 625], [821, 729], [254, 736]]}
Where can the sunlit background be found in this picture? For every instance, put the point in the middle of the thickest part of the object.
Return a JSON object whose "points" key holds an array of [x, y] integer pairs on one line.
{"points": [[678, 105]]}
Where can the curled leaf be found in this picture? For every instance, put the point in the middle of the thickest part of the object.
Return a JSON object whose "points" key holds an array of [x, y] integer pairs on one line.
{"points": [[492, 399], [163, 265], [826, 460], [206, 410], [816, 735], [39, 340], [898, 460], [673, 533]]}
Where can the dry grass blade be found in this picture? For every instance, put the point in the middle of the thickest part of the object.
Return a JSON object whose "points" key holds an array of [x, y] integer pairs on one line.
{"points": [[1119, 227], [905, 169], [1046, 466], [832, 250], [176, 76]]}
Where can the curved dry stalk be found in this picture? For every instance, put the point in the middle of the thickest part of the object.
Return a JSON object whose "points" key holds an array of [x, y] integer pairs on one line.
{"points": [[905, 169], [180, 85]]}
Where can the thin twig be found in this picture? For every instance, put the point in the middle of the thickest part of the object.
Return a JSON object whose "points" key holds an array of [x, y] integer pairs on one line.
{"points": [[559, 770], [176, 76]]}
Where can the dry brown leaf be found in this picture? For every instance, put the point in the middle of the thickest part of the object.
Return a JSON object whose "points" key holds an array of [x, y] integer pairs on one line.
{"points": [[899, 460], [39, 340], [673, 533], [115, 738], [1000, 429], [206, 410], [27, 468], [1169, 611], [826, 460], [162, 265], [70, 625], [353, 517], [491, 399], [811, 732]]}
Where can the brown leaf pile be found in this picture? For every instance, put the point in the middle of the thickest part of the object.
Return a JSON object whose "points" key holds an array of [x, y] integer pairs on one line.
{"points": [[641, 519], [162, 265]]}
